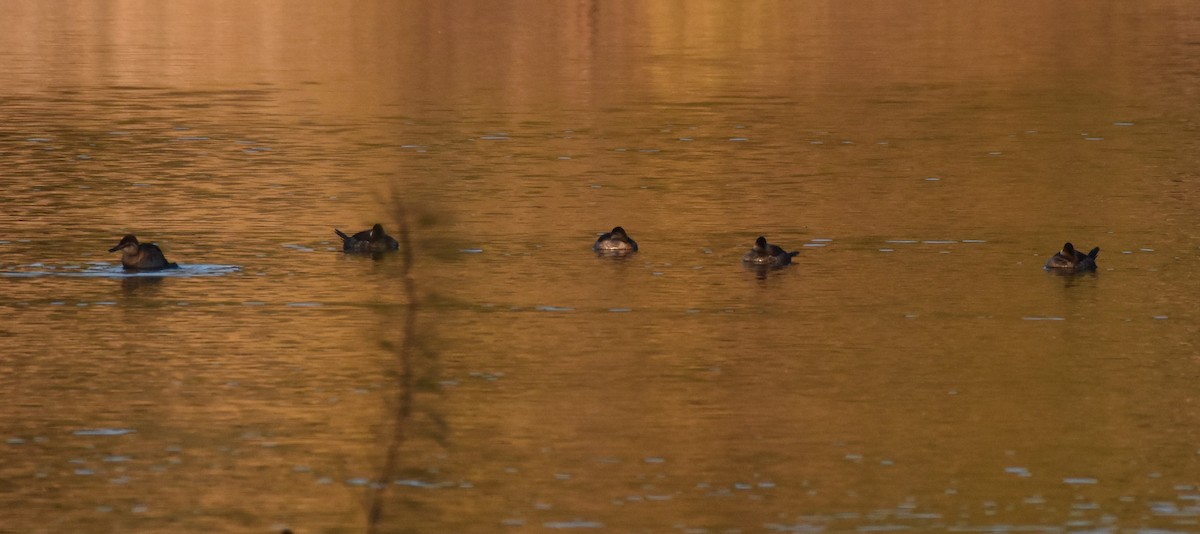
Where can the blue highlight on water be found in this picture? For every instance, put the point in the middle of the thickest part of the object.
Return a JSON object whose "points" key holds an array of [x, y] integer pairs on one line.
{"points": [[114, 270], [104, 431], [572, 524]]}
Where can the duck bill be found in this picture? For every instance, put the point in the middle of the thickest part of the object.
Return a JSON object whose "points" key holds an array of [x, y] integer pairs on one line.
{"points": [[114, 249]]}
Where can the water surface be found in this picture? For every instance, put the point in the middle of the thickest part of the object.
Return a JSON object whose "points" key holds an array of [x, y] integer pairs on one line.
{"points": [[914, 370]]}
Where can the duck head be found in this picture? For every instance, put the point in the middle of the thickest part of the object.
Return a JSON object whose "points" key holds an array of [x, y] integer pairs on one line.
{"points": [[760, 245], [129, 244], [377, 232]]}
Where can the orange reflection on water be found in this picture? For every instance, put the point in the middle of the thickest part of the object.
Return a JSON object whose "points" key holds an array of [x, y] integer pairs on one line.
{"points": [[915, 368]]}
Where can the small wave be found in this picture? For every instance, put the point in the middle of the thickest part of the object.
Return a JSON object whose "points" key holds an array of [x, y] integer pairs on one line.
{"points": [[108, 270]]}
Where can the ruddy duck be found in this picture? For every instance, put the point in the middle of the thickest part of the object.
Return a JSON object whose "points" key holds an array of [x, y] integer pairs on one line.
{"points": [[372, 241], [1070, 260], [766, 254], [141, 256], [615, 241]]}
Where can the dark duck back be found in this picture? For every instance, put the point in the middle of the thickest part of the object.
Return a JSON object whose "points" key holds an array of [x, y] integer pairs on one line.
{"points": [[765, 253], [141, 256], [615, 241], [1070, 260], [374, 240]]}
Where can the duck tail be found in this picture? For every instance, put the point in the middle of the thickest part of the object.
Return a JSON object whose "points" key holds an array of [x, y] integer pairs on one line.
{"points": [[341, 234], [1095, 252], [793, 253]]}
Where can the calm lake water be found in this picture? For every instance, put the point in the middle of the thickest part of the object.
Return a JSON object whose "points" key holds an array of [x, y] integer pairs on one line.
{"points": [[915, 370]]}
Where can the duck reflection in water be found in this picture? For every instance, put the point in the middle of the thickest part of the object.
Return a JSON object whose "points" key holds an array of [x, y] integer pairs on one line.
{"points": [[615, 243], [141, 284], [1068, 260], [141, 256], [374, 241]]}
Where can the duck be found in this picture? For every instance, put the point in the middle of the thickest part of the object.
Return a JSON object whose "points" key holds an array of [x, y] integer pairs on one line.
{"points": [[374, 240], [764, 253], [137, 256], [616, 241], [1070, 260]]}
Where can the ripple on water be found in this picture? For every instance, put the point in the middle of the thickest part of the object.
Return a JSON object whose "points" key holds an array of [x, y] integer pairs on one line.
{"points": [[802, 528], [884, 528], [1019, 471], [413, 483], [104, 431], [573, 524], [109, 270]]}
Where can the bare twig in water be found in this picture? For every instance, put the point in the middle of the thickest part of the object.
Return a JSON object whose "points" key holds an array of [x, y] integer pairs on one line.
{"points": [[404, 394]]}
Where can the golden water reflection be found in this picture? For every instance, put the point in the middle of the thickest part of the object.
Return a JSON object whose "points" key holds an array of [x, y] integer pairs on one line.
{"points": [[915, 369]]}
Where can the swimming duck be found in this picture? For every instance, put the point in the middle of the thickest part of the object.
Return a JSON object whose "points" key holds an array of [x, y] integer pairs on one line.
{"points": [[373, 240], [141, 256], [1069, 259], [615, 241], [767, 254]]}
